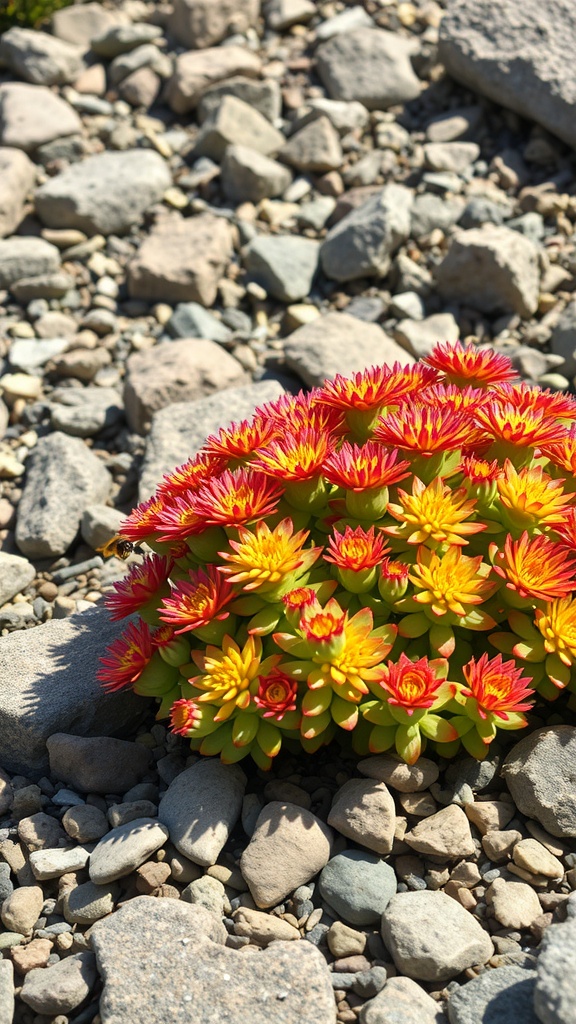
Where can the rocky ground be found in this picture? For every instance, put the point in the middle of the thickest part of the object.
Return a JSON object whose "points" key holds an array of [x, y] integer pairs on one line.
{"points": [[203, 203]]}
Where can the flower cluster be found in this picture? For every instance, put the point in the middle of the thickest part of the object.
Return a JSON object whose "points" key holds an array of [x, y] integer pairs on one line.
{"points": [[392, 555]]}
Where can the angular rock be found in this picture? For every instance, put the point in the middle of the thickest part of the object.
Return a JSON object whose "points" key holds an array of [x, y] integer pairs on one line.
{"points": [[176, 371], [40, 58], [515, 904], [493, 269], [504, 996], [364, 811], [83, 412], [69, 477], [403, 1000], [104, 194], [141, 88], [444, 834], [201, 807], [32, 115], [249, 176], [263, 96], [61, 987], [181, 260], [190, 320], [315, 148], [347, 21], [196, 24], [539, 774], [15, 574], [405, 778], [284, 265], [419, 337], [369, 65], [339, 343], [555, 991], [236, 123], [358, 885], [17, 176], [195, 72], [97, 764], [451, 156], [346, 117], [288, 847], [262, 929], [430, 211], [60, 658], [431, 937], [362, 243], [517, 56], [26, 257], [54, 863]]}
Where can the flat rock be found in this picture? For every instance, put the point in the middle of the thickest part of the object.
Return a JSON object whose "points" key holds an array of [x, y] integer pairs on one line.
{"points": [[515, 904], [191, 320], [493, 269], [176, 371], [519, 57], [264, 96], [289, 846], [363, 242], [402, 1001], [234, 122], [88, 902], [26, 256], [104, 194], [505, 996], [201, 807], [15, 574], [555, 992], [539, 773], [123, 38], [40, 58], [82, 24], [70, 478], [83, 412], [54, 863], [450, 156], [369, 65], [431, 937], [195, 72], [32, 115], [339, 343], [364, 810], [17, 176], [358, 885], [196, 24], [405, 778], [249, 176], [97, 764], [419, 337], [125, 848], [61, 658], [284, 265], [181, 260], [178, 432], [61, 987], [444, 834]]}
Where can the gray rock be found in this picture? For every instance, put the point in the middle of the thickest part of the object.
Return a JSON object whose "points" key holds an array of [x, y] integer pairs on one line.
{"points": [[25, 257], [263, 96], [236, 123], [32, 115], [99, 523], [402, 1001], [125, 848], [358, 886], [539, 774], [197, 24], [6, 990], [338, 343], [431, 937], [361, 244], [348, 20], [492, 269], [201, 807], [407, 306], [118, 39], [369, 65], [505, 996], [456, 124], [175, 371], [69, 477], [107, 193], [563, 339], [66, 651], [315, 213], [346, 117], [315, 148], [364, 811], [42, 286], [196, 72], [179, 431], [40, 58], [82, 24], [249, 176], [61, 987], [97, 764], [555, 992], [88, 902], [530, 224], [17, 176], [450, 156], [518, 57], [479, 211], [84, 412], [191, 320], [15, 574], [282, 14], [284, 265], [127, 64], [405, 778], [84, 822], [141, 87], [54, 863], [430, 211], [419, 337]]}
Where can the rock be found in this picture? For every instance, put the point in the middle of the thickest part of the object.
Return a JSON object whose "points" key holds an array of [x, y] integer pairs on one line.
{"points": [[69, 477], [451, 156], [190, 320], [518, 58], [173, 372], [125, 848], [403, 1000], [493, 269], [515, 904], [282, 14], [32, 115], [488, 815], [17, 176], [345, 941], [140, 88], [85, 823], [97, 764], [54, 863], [456, 124], [195, 72], [83, 412], [284, 265], [361, 244], [121, 38], [39, 831], [288, 847], [34, 954], [347, 21], [262, 929], [22, 257], [364, 811], [431, 937], [534, 857], [106, 193], [405, 778], [338, 343], [181, 260], [127, 64], [314, 148], [196, 24], [369, 65], [419, 337], [80, 25], [358, 886], [40, 58], [21, 909], [430, 212], [15, 575], [88, 902], [6, 990], [563, 338], [538, 772], [444, 834], [42, 286], [249, 176], [263, 96], [504, 996], [555, 991], [179, 431], [234, 122], [200, 808], [60, 987]]}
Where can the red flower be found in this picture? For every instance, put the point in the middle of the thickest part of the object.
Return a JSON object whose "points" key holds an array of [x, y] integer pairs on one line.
{"points": [[536, 567], [413, 685], [191, 475], [375, 387], [184, 715], [465, 364], [277, 694], [241, 439], [197, 601], [143, 521], [497, 687], [237, 497], [356, 549], [364, 467], [126, 658], [296, 456], [424, 430], [139, 586]]}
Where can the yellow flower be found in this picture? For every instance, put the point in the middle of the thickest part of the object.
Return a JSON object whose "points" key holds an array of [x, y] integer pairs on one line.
{"points": [[266, 558], [557, 624], [433, 515], [451, 583], [348, 670], [226, 673], [531, 498]]}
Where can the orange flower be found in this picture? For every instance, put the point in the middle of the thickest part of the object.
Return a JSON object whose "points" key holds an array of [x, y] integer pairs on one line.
{"points": [[355, 549], [433, 515], [536, 567], [567, 531], [143, 521], [524, 428], [499, 688], [277, 694], [557, 624], [452, 583], [191, 475], [126, 658], [563, 453], [465, 364], [184, 715], [303, 411], [197, 601], [268, 557], [140, 586], [455, 398], [296, 457], [356, 661], [425, 430], [363, 467], [323, 625], [241, 439], [532, 498], [375, 387], [413, 685], [529, 398], [237, 497]]}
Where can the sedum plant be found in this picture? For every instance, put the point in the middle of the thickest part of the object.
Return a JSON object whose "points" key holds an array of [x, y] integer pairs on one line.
{"points": [[391, 556]]}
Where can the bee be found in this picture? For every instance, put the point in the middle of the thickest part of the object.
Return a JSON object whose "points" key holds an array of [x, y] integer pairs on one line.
{"points": [[118, 546]]}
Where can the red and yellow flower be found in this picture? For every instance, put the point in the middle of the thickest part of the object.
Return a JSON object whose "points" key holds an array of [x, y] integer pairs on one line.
{"points": [[277, 694], [269, 561], [141, 589], [240, 440], [535, 567], [415, 685], [197, 602], [530, 499], [237, 497], [467, 365], [227, 673], [433, 515], [497, 687], [557, 624], [126, 658], [453, 584]]}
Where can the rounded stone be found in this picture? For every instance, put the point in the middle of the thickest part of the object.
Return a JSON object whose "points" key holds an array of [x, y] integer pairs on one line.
{"points": [[89, 902], [495, 997], [405, 778], [61, 987], [126, 848], [358, 886], [85, 823], [21, 909], [201, 807]]}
